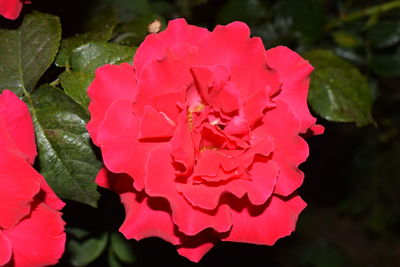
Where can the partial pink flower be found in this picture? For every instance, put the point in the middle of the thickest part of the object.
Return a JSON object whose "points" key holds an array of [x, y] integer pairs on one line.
{"points": [[10, 9], [202, 137], [31, 227]]}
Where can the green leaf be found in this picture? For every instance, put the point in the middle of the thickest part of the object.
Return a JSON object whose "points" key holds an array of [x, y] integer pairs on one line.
{"points": [[83, 253], [99, 29], [75, 85], [77, 233], [386, 65], [338, 91], [89, 57], [85, 60], [346, 39], [66, 157], [122, 248], [27, 52], [112, 259], [384, 34], [305, 18]]}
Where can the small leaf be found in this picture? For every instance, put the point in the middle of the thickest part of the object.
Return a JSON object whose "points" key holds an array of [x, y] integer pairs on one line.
{"points": [[66, 157], [385, 34], [386, 65], [113, 260], [122, 248], [77, 233], [346, 39], [83, 253], [100, 29], [89, 57], [305, 18], [75, 85], [26, 53], [84, 62], [338, 91]]}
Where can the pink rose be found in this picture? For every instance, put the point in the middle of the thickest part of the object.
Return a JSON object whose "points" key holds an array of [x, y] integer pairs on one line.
{"points": [[31, 228], [10, 9], [201, 137]]}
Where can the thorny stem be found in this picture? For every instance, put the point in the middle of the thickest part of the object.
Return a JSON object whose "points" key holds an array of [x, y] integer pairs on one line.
{"points": [[370, 11]]}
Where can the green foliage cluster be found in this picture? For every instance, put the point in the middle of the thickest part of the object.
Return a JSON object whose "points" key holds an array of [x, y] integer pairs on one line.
{"points": [[49, 56]]}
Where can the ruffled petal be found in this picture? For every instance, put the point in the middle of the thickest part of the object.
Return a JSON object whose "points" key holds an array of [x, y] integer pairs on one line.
{"points": [[290, 149], [160, 183], [5, 249], [19, 184], [195, 247], [200, 195], [145, 216], [264, 225], [232, 46], [10, 9], [155, 125], [263, 177], [111, 83], [295, 75], [48, 196], [153, 47], [195, 254], [43, 233], [117, 137], [18, 123], [160, 77]]}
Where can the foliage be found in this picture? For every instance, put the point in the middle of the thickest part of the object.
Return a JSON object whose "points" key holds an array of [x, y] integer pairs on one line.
{"points": [[48, 57]]}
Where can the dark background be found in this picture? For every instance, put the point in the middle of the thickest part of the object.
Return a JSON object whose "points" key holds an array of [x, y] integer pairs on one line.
{"points": [[352, 176]]}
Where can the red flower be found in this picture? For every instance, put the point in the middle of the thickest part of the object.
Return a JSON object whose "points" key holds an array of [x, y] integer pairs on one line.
{"points": [[31, 228], [201, 135], [10, 9]]}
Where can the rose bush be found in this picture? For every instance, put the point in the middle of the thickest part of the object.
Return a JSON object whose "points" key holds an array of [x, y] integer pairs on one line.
{"points": [[200, 137], [31, 228], [10, 9]]}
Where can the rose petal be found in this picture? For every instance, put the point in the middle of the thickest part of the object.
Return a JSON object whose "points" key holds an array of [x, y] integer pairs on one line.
{"points": [[153, 47], [182, 147], [19, 184], [290, 149], [10, 9], [5, 249], [122, 152], [232, 46], [105, 179], [121, 80], [154, 125], [160, 77], [160, 182], [295, 74], [167, 104], [18, 123], [195, 247], [200, 195], [254, 105], [49, 197], [263, 177], [195, 254], [264, 225], [43, 233], [147, 217]]}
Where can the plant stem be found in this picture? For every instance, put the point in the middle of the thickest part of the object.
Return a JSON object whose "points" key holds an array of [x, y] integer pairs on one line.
{"points": [[369, 11]]}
